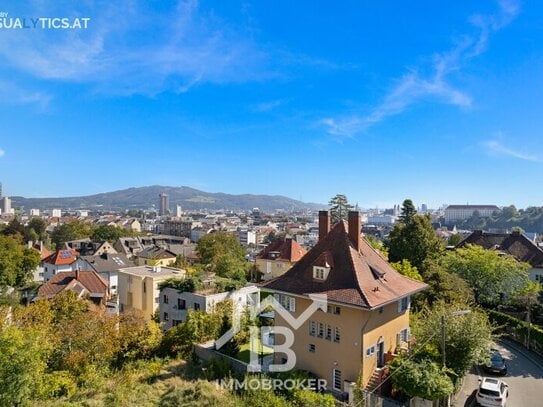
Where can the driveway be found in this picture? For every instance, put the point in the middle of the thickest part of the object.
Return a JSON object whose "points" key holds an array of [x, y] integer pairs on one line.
{"points": [[524, 377]]}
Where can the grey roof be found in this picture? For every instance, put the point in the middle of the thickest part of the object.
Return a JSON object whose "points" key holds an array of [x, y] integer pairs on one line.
{"points": [[107, 262]]}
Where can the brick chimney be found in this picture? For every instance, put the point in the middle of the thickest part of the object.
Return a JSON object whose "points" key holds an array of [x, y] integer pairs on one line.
{"points": [[324, 224], [355, 229]]}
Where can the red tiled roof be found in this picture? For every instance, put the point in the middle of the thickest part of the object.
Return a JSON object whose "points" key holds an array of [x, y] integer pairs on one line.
{"points": [[62, 257], [90, 280], [362, 278], [289, 250]]}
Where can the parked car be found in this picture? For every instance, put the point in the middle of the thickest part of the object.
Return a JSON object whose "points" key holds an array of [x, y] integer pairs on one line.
{"points": [[497, 364], [492, 392]]}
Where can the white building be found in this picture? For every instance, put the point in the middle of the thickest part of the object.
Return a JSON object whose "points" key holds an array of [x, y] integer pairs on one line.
{"points": [[58, 262], [6, 206], [381, 219], [56, 213], [246, 237], [455, 213], [174, 305], [34, 212]]}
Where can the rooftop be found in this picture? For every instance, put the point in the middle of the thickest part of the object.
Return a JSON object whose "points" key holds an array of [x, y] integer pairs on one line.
{"points": [[153, 271]]}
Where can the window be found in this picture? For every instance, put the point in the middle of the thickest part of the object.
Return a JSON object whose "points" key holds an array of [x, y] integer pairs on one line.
{"points": [[333, 309], [403, 304], [381, 309], [166, 317], [404, 335], [166, 299], [286, 301], [175, 322], [337, 335], [328, 332], [370, 351], [312, 348], [157, 300], [336, 379], [320, 273], [337, 310], [196, 306], [320, 332], [181, 304], [312, 328], [113, 287]]}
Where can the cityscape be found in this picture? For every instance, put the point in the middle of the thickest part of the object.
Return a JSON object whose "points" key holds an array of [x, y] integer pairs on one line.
{"points": [[278, 204]]}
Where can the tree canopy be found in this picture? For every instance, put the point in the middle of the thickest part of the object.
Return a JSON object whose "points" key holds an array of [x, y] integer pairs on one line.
{"points": [[414, 240], [222, 254], [493, 276], [70, 231], [17, 262], [339, 208]]}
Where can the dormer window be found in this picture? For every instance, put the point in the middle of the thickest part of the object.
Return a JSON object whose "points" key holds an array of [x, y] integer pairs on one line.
{"points": [[320, 273]]}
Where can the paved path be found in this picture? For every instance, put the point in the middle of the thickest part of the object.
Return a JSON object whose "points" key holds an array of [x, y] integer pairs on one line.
{"points": [[524, 377]]}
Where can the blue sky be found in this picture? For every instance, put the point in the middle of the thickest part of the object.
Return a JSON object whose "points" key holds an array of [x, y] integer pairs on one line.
{"points": [[380, 100]]}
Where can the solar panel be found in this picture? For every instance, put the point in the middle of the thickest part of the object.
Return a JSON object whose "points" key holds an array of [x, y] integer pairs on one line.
{"points": [[65, 255]]}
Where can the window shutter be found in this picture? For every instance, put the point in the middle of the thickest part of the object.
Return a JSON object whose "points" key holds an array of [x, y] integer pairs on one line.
{"points": [[292, 304]]}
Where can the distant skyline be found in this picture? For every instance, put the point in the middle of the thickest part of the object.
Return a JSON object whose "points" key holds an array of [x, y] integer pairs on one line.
{"points": [[381, 101]]}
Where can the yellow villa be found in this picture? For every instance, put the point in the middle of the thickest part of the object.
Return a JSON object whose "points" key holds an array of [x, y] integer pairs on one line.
{"points": [[367, 317]]}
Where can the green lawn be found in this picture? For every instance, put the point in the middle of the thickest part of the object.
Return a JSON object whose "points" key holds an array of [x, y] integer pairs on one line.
{"points": [[244, 351]]}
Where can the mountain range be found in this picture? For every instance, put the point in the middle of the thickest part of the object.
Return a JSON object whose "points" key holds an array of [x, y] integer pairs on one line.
{"points": [[147, 197]]}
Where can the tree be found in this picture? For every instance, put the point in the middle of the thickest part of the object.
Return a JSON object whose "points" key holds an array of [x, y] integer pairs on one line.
{"points": [[222, 254], [377, 244], [405, 268], [415, 241], [444, 286], [492, 275], [467, 337], [17, 262], [36, 226], [22, 364], [70, 231], [14, 228], [425, 378], [339, 207], [408, 211], [108, 233], [454, 240]]}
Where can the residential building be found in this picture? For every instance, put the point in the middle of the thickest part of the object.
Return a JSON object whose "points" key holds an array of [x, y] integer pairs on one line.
{"points": [[87, 284], [130, 246], [516, 244], [107, 265], [455, 213], [138, 287], [278, 257], [246, 237], [177, 228], [34, 212], [381, 219], [6, 205], [367, 315], [56, 213], [61, 261], [155, 256], [175, 304]]}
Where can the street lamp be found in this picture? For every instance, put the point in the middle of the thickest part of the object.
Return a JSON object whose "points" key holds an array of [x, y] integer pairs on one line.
{"points": [[450, 314]]}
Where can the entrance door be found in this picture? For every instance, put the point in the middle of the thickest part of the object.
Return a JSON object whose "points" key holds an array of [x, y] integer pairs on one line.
{"points": [[380, 354]]}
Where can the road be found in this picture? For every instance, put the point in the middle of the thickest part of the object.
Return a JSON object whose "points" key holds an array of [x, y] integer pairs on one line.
{"points": [[524, 377]]}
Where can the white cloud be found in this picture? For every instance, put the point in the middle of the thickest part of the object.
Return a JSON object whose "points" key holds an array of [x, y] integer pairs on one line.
{"points": [[414, 87], [131, 48], [11, 94], [495, 147], [267, 106], [2, 152]]}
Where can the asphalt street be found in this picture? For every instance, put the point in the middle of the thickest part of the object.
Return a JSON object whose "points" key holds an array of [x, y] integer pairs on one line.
{"points": [[524, 377]]}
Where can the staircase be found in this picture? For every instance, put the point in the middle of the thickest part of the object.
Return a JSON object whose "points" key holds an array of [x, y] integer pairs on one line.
{"points": [[375, 380]]}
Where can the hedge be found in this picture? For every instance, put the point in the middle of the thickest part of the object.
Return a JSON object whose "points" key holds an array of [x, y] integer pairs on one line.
{"points": [[518, 329]]}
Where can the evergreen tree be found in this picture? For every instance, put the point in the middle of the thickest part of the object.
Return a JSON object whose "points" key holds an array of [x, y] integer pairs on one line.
{"points": [[408, 211], [339, 208]]}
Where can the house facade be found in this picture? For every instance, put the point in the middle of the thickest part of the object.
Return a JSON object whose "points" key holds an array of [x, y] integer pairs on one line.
{"points": [[58, 262], [174, 304], [278, 257], [138, 287], [367, 315]]}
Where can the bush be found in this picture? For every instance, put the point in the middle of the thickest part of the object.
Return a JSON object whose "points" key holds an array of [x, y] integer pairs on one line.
{"points": [[518, 329], [58, 384]]}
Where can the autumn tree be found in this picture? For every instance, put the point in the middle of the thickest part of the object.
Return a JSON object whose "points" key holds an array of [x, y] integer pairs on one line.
{"points": [[405, 268], [339, 208]]}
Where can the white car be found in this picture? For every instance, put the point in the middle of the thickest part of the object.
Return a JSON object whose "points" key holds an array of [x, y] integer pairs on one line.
{"points": [[492, 392]]}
